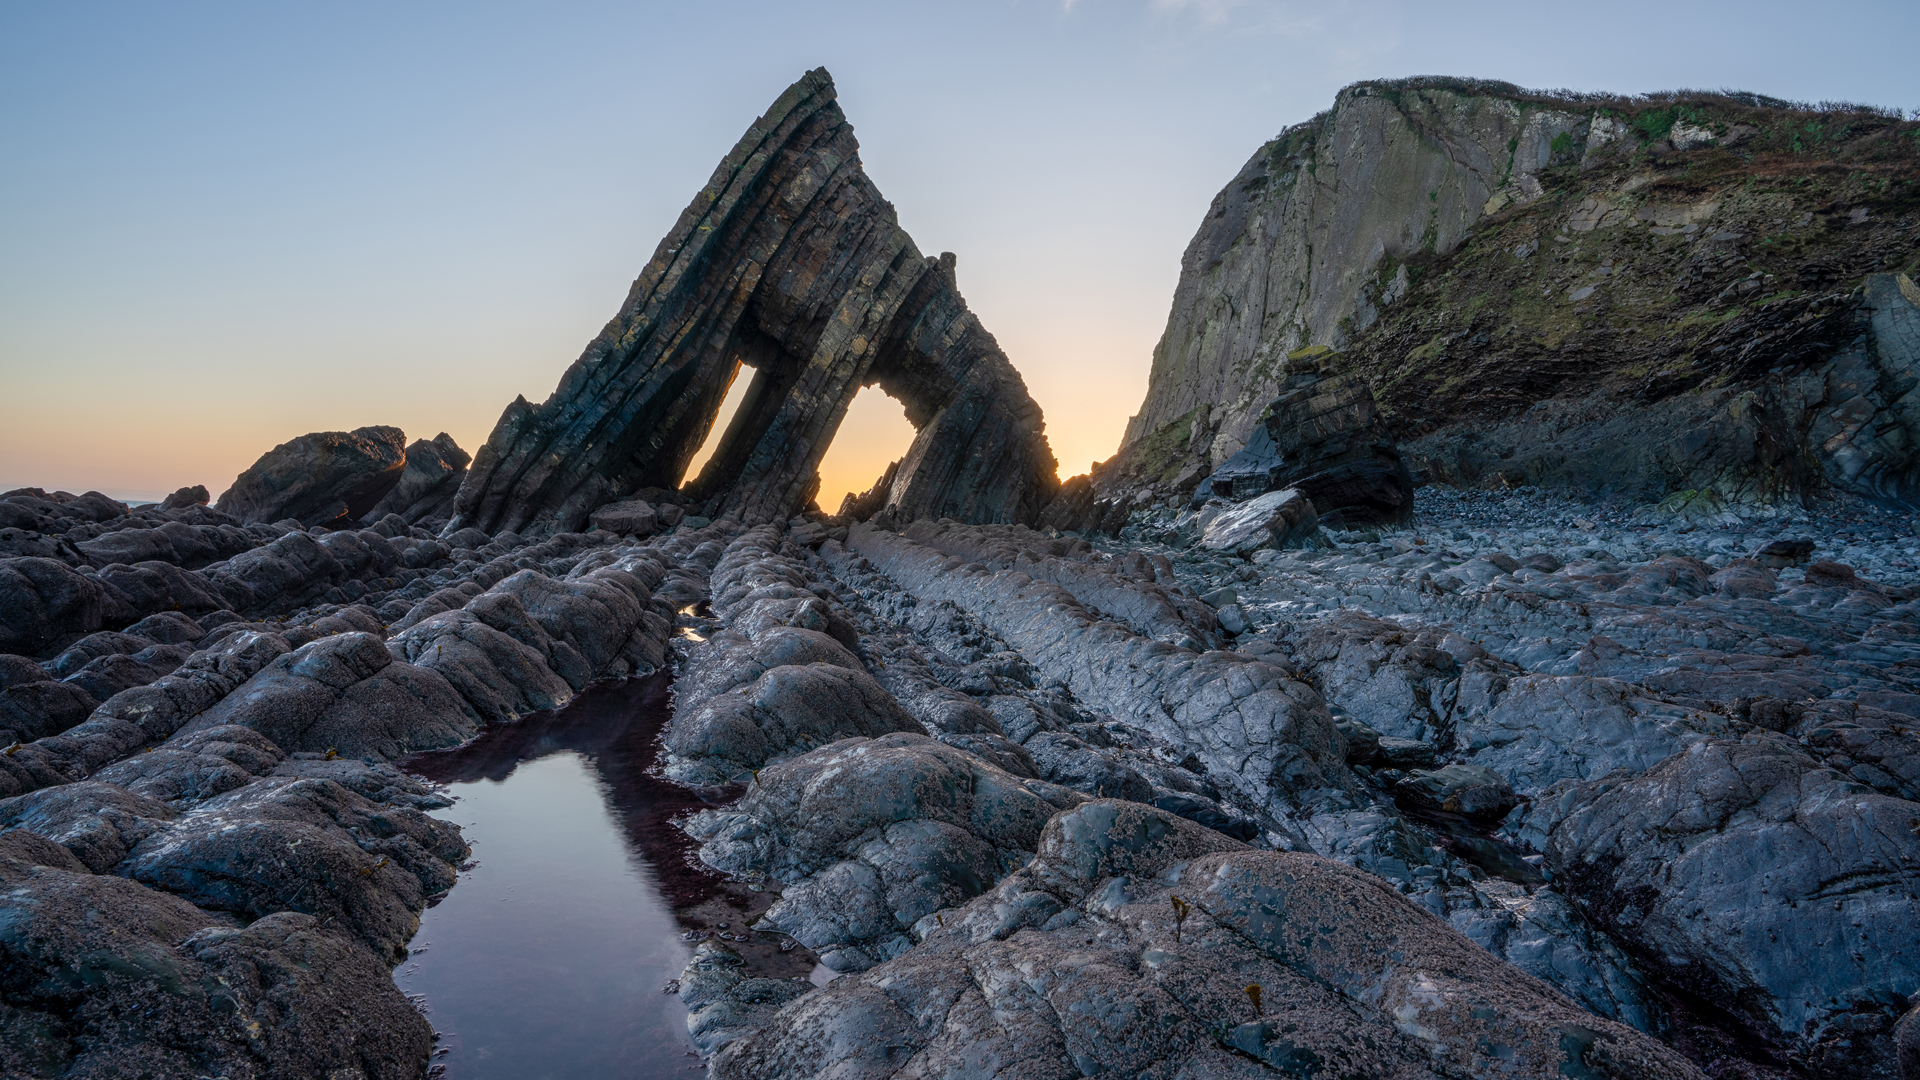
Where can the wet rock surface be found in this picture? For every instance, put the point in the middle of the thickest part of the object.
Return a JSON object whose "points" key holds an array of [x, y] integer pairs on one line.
{"points": [[1499, 784], [1577, 738], [209, 864], [1602, 778]]}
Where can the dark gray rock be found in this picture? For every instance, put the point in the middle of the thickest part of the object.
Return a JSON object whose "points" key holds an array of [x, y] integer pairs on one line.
{"points": [[98, 822], [309, 846], [189, 769], [1150, 607], [500, 678], [1771, 884], [1907, 1038], [144, 714], [793, 704], [33, 706], [428, 483], [194, 495], [630, 517], [347, 694], [1277, 519], [106, 977], [325, 478], [1325, 437], [44, 603], [869, 836], [1472, 791], [1255, 727], [789, 226], [1079, 964]]}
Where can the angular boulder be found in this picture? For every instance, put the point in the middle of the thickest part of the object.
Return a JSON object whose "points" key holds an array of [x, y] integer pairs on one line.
{"points": [[1277, 519], [1325, 436], [428, 483], [1762, 880], [195, 495], [629, 517], [325, 478]]}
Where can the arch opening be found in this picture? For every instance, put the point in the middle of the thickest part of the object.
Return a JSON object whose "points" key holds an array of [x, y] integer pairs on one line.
{"points": [[717, 427], [874, 434]]}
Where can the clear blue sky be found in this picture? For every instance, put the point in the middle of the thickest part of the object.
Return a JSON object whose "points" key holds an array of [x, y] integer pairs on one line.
{"points": [[223, 225]]}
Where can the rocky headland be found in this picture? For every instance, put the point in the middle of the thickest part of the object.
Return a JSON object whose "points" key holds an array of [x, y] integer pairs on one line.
{"points": [[1322, 732]]}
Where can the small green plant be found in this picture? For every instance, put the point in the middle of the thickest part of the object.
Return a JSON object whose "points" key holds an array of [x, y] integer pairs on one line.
{"points": [[1654, 124], [1562, 144], [1181, 909]]}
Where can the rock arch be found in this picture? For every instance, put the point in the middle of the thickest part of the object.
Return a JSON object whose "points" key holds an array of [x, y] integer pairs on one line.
{"points": [[788, 268]]}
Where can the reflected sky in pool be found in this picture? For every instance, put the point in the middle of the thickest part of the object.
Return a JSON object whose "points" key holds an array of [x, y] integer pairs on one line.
{"points": [[548, 959]]}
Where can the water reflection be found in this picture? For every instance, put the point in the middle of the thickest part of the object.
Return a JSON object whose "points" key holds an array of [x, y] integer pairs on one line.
{"points": [[549, 958]]}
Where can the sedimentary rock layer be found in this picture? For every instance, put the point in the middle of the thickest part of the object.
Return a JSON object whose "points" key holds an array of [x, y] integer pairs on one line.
{"points": [[790, 263], [1656, 298], [208, 867]]}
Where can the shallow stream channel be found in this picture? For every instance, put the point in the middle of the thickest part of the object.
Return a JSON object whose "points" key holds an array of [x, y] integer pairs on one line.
{"points": [[555, 954]]}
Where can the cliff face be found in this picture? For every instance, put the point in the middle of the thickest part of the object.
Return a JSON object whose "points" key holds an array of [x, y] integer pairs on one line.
{"points": [[1287, 254], [1475, 250]]}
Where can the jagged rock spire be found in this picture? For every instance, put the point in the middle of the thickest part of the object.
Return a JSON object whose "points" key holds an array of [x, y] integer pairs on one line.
{"points": [[788, 262]]}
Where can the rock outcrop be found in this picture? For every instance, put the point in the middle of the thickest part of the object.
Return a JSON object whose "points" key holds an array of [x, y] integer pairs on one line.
{"points": [[326, 478], [428, 483], [206, 865], [790, 263], [1324, 437], [1644, 297], [1136, 943]]}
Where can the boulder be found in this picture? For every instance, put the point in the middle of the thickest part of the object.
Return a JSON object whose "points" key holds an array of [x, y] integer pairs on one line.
{"points": [[45, 603], [1324, 436], [869, 836], [195, 495], [630, 517], [107, 977], [1136, 943], [305, 845], [346, 694], [1762, 881], [326, 478], [427, 484], [1472, 791], [1780, 554], [1276, 519]]}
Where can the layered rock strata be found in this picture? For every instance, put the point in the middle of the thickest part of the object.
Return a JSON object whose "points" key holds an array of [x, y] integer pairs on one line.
{"points": [[1692, 297], [1323, 437], [198, 815], [427, 485], [790, 263], [326, 478], [1140, 944]]}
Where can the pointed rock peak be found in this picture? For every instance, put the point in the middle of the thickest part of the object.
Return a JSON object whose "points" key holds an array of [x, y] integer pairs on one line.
{"points": [[791, 263]]}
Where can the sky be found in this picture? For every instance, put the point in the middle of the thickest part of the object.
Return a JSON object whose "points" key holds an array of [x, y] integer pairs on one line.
{"points": [[225, 225]]}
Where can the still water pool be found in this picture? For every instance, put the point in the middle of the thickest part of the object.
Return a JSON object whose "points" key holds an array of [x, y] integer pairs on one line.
{"points": [[549, 957]]}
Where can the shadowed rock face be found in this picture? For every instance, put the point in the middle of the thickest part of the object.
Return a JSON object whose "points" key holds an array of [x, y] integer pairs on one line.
{"points": [[788, 262], [1626, 298], [1324, 436], [326, 478], [427, 486]]}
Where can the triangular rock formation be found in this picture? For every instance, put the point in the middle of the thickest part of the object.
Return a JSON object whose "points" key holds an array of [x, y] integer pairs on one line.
{"points": [[788, 262]]}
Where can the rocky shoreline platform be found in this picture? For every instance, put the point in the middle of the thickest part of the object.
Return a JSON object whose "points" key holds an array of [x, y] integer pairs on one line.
{"points": [[1262, 750]]}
